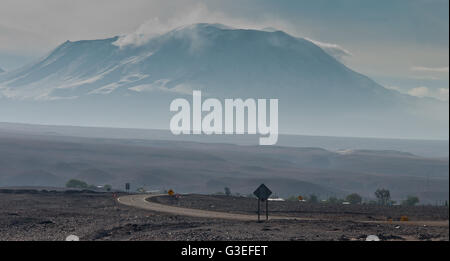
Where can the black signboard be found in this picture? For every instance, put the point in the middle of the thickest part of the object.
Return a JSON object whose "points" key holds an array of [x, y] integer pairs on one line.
{"points": [[262, 192]]}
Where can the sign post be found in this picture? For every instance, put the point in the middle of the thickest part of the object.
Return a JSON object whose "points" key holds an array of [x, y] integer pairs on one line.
{"points": [[259, 201], [127, 187], [263, 193]]}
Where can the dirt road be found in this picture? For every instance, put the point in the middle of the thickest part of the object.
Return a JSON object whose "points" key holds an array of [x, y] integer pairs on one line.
{"points": [[140, 201]]}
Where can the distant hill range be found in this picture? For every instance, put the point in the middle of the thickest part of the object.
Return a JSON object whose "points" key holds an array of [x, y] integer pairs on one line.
{"points": [[102, 83], [424, 148], [49, 159]]}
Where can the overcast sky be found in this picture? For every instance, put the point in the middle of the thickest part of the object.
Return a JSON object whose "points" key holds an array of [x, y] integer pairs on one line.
{"points": [[402, 44]]}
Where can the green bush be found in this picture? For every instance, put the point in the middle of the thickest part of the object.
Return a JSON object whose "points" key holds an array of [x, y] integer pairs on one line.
{"points": [[75, 183], [313, 199], [410, 201], [354, 198], [334, 200]]}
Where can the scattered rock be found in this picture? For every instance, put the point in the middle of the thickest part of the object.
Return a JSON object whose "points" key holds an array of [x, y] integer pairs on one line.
{"points": [[372, 238]]}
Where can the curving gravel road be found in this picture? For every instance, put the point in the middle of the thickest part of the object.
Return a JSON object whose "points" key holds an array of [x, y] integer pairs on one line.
{"points": [[140, 201]]}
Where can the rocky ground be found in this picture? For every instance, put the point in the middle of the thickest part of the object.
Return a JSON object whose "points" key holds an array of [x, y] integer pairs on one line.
{"points": [[53, 215], [245, 205]]}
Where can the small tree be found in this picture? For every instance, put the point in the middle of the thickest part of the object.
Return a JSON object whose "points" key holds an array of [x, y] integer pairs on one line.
{"points": [[410, 201], [227, 191], [313, 199], [75, 183], [334, 200], [107, 187], [383, 196], [354, 198]]}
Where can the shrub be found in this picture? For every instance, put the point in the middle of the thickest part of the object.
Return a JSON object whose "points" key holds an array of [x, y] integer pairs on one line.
{"points": [[410, 201], [75, 183], [334, 200], [354, 198], [107, 187], [313, 199]]}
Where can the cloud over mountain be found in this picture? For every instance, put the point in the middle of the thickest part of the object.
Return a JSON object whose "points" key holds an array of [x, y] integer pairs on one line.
{"points": [[101, 82]]}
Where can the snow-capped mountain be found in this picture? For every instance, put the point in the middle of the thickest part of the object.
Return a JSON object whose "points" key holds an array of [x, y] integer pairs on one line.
{"points": [[101, 82], [215, 59]]}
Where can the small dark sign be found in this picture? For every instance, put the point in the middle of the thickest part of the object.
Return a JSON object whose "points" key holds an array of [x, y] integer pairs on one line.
{"points": [[262, 192], [127, 186]]}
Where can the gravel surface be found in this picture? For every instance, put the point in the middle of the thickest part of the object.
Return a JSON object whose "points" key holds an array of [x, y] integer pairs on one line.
{"points": [[245, 205], [31, 215]]}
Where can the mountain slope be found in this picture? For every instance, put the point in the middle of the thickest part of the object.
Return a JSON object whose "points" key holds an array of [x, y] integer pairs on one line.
{"points": [[318, 95], [202, 56]]}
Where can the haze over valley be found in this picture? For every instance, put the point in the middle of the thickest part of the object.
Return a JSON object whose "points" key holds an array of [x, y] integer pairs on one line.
{"points": [[35, 158]]}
